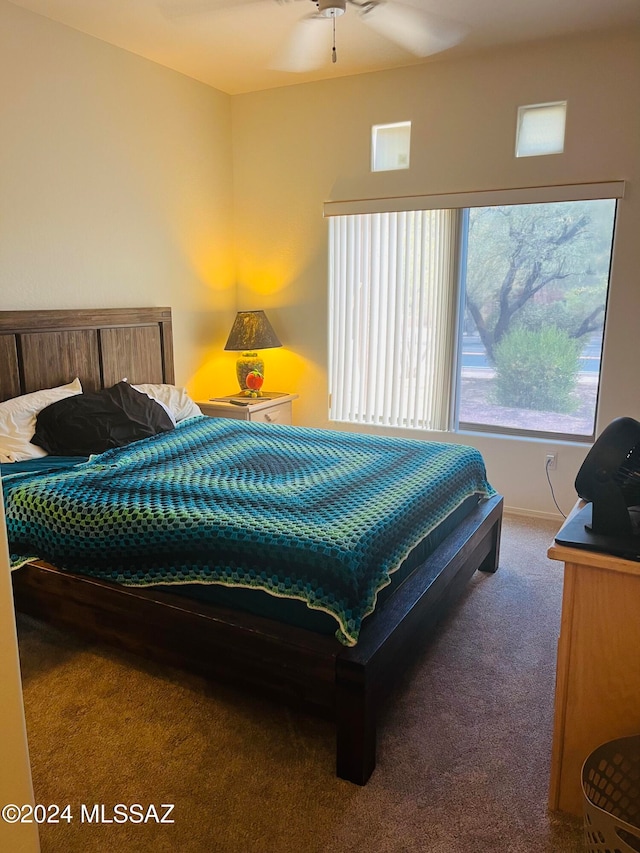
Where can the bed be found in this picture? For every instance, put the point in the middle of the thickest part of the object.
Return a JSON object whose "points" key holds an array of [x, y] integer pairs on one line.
{"points": [[346, 674]]}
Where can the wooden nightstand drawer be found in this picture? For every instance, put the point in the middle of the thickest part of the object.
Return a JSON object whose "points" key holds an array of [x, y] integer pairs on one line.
{"points": [[280, 414]]}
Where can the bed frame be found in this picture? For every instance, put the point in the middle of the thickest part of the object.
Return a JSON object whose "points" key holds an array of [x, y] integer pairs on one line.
{"points": [[47, 348]]}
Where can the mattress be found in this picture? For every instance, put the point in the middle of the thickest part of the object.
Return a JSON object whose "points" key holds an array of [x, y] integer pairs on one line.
{"points": [[319, 516]]}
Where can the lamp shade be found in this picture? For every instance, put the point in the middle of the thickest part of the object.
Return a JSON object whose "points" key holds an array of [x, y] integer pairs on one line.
{"points": [[251, 331]]}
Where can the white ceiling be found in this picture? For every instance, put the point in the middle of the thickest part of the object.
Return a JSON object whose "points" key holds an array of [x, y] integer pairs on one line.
{"points": [[230, 44]]}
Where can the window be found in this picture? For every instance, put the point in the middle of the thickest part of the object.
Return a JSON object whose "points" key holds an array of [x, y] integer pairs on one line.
{"points": [[540, 129], [486, 318], [535, 287], [390, 146]]}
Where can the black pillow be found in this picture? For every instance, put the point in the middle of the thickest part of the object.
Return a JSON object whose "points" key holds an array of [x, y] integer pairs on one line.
{"points": [[94, 422]]}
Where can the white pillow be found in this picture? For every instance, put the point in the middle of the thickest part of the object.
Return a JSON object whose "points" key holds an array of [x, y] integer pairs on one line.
{"points": [[18, 421], [176, 400]]}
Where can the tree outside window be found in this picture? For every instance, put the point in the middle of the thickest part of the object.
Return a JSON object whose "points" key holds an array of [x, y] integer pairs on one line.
{"points": [[535, 298]]}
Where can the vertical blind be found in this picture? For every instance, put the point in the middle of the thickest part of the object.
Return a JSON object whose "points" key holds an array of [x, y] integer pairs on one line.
{"points": [[393, 317]]}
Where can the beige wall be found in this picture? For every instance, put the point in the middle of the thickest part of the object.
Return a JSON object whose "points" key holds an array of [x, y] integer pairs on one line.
{"points": [[115, 190], [296, 147], [115, 185]]}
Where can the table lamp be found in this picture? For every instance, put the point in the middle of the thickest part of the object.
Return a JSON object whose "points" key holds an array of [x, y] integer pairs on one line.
{"points": [[251, 331]]}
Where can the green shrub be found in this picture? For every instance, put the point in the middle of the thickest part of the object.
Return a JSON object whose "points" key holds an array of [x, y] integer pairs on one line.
{"points": [[537, 370]]}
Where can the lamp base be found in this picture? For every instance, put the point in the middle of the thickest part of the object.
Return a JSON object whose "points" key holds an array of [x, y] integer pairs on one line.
{"points": [[247, 362]]}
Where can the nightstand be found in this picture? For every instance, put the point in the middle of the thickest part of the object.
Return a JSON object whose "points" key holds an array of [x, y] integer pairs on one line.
{"points": [[274, 409]]}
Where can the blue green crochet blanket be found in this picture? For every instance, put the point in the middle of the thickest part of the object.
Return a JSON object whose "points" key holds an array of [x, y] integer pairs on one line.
{"points": [[317, 515]]}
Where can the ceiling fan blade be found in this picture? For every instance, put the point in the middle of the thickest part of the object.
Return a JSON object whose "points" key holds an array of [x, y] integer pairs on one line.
{"points": [[306, 49], [173, 9], [417, 31]]}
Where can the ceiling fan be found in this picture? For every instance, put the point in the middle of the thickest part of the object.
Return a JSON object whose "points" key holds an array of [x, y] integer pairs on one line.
{"points": [[415, 30]]}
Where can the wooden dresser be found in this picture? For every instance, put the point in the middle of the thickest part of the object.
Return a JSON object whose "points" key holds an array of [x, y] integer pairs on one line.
{"points": [[598, 674]]}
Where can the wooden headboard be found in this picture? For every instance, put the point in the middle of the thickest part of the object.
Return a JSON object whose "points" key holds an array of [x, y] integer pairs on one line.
{"points": [[43, 349]]}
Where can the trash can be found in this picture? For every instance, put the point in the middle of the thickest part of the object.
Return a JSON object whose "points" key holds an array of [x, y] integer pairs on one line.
{"points": [[611, 797]]}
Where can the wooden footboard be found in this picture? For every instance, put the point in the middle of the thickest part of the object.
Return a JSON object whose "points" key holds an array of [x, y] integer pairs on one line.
{"points": [[366, 673], [281, 661]]}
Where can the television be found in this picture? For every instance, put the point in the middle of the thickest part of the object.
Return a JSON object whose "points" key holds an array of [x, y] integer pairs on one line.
{"points": [[609, 482]]}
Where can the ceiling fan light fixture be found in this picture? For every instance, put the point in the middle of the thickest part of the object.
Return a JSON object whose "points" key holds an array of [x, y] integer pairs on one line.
{"points": [[331, 8]]}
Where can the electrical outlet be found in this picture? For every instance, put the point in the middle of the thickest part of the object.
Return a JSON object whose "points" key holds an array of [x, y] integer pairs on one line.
{"points": [[552, 461]]}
